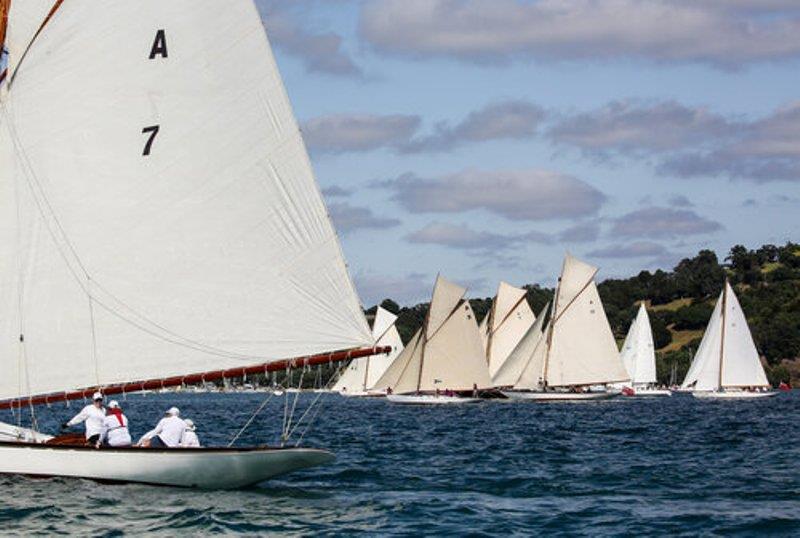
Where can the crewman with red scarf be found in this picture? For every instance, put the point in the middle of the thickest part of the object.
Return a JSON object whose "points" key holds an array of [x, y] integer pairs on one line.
{"points": [[115, 427]]}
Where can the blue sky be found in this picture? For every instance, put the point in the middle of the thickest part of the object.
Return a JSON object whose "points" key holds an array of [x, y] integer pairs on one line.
{"points": [[484, 138]]}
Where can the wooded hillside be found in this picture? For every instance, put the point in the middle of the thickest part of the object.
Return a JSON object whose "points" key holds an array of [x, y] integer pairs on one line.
{"points": [[680, 302]]}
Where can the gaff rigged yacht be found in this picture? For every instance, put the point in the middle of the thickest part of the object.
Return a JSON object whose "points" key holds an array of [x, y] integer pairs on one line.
{"points": [[160, 224]]}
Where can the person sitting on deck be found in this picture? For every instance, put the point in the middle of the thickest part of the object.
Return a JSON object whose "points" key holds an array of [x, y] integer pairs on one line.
{"points": [[93, 416], [190, 439], [115, 427], [167, 433]]}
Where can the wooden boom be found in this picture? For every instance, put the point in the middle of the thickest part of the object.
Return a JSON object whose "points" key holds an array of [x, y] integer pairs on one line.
{"points": [[154, 384]]}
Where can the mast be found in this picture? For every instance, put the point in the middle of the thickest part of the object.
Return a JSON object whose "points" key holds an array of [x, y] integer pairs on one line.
{"points": [[722, 334], [425, 335], [551, 325], [490, 327]]}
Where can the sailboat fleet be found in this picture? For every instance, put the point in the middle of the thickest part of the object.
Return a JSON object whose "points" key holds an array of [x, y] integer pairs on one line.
{"points": [[566, 353], [162, 226]]}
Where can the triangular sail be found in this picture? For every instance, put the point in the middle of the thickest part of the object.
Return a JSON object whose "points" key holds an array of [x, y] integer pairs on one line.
{"points": [[362, 374], [582, 348], [510, 371], [741, 365], [446, 296], [158, 211], [638, 352], [511, 317], [703, 373], [451, 357]]}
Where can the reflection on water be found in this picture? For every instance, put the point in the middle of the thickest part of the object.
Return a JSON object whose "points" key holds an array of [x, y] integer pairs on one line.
{"points": [[676, 466]]}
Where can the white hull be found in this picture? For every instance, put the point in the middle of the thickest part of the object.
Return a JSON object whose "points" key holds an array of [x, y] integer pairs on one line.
{"points": [[733, 395], [362, 394], [190, 468], [649, 393], [427, 399], [557, 396]]}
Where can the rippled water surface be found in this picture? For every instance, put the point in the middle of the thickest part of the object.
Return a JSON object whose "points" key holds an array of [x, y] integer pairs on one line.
{"points": [[672, 466]]}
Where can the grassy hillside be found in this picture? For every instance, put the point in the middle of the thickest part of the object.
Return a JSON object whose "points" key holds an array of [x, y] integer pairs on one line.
{"points": [[680, 302]]}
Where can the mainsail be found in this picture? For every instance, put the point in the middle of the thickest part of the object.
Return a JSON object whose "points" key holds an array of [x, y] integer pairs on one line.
{"points": [[522, 355], [446, 353], [727, 356], [579, 348], [158, 211], [638, 352], [506, 324], [361, 375]]}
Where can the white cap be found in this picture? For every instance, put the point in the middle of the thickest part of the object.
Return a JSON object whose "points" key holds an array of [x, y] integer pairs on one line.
{"points": [[113, 404], [189, 424], [173, 411], [97, 396]]}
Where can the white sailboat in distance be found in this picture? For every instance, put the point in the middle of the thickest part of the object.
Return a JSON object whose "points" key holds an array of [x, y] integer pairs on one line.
{"points": [[160, 224], [361, 375], [444, 361], [506, 323], [578, 352], [639, 357], [727, 365]]}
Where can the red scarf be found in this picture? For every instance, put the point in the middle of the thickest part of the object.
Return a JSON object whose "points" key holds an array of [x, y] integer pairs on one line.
{"points": [[117, 413]]}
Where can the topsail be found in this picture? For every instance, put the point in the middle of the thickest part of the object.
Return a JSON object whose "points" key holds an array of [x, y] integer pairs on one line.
{"points": [[158, 211]]}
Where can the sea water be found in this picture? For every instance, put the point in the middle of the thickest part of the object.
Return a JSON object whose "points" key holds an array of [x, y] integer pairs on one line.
{"points": [[671, 466]]}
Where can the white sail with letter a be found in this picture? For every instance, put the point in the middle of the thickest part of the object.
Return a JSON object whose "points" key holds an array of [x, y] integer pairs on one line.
{"points": [[158, 211]]}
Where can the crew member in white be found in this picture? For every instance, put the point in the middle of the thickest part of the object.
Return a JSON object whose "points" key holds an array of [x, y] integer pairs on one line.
{"points": [[93, 416], [167, 433], [115, 427], [190, 439]]}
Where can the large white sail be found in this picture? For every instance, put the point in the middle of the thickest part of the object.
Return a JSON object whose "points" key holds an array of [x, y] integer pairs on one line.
{"points": [[727, 356], [638, 352], [451, 358], [582, 349], [518, 360], [509, 320], [158, 211], [362, 374], [741, 366]]}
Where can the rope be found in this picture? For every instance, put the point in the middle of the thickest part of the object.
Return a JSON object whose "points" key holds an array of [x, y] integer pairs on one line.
{"points": [[252, 418]]}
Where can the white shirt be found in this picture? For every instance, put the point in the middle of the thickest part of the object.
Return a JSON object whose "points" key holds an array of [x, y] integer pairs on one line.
{"points": [[190, 440], [115, 434], [169, 429], [93, 417]]}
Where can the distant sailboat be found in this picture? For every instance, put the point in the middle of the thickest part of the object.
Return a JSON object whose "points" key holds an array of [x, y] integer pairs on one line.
{"points": [[361, 375], [160, 224], [506, 323], [727, 364], [444, 359], [510, 371], [639, 357], [578, 352]]}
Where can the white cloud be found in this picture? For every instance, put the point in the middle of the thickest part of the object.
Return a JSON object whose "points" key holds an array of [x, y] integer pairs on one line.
{"points": [[638, 249], [348, 218], [514, 120], [662, 222], [321, 52], [460, 236], [725, 34], [513, 194], [339, 133]]}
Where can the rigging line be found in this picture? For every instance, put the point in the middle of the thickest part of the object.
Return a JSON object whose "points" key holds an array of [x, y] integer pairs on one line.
{"points": [[285, 436], [303, 416], [94, 338], [310, 407], [252, 418], [34, 38]]}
